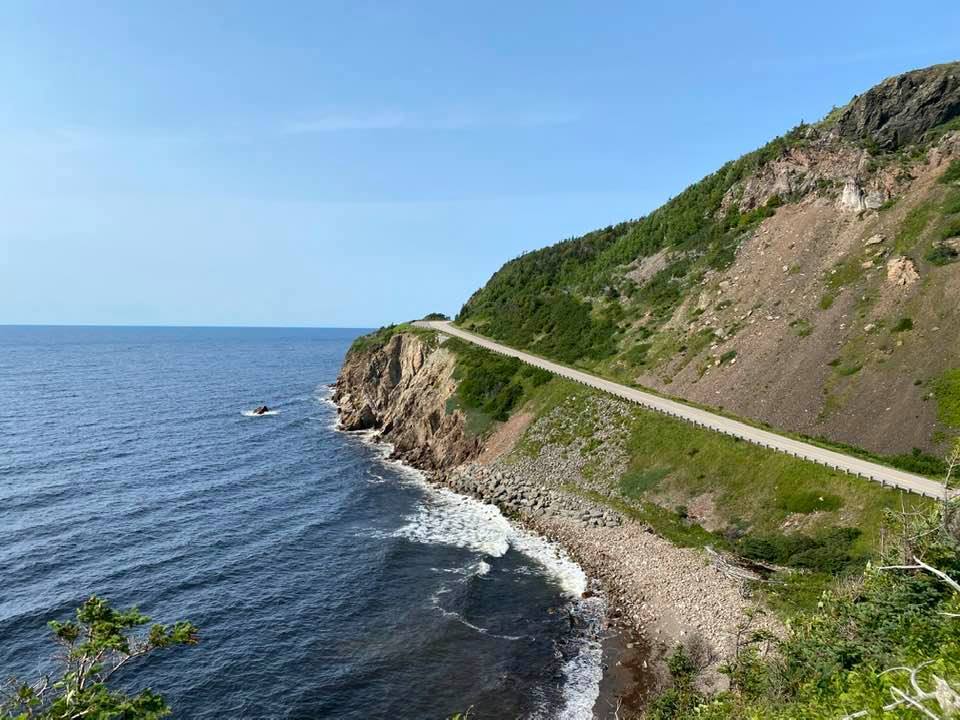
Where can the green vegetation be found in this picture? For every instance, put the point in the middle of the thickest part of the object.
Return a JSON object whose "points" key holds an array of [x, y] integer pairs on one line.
{"points": [[636, 482], [379, 338], [947, 392], [913, 225], [701, 462], [915, 461], [952, 174], [727, 356], [570, 301], [802, 327], [942, 254], [856, 652], [752, 491], [809, 501], [829, 550], [845, 368], [490, 385], [904, 324], [681, 698], [92, 649], [951, 204], [436, 316]]}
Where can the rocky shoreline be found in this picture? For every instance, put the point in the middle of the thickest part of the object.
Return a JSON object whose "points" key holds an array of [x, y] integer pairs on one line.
{"points": [[658, 595]]}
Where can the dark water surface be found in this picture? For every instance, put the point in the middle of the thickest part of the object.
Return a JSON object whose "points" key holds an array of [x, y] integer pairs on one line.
{"points": [[327, 581]]}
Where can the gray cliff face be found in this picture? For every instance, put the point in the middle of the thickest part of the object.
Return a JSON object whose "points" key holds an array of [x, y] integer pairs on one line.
{"points": [[402, 390], [901, 109]]}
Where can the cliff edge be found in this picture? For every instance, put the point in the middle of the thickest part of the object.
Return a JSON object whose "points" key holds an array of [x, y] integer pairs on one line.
{"points": [[402, 388]]}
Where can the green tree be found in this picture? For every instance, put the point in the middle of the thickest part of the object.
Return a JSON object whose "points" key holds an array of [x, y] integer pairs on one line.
{"points": [[94, 648]]}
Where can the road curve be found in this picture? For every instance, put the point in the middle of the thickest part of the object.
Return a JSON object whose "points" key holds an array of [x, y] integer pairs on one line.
{"points": [[864, 468]]}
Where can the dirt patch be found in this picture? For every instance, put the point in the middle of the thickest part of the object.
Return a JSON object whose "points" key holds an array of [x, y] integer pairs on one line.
{"points": [[645, 268], [703, 510], [809, 312], [505, 437]]}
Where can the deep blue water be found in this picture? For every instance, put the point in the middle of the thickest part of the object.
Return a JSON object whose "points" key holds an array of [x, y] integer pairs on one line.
{"points": [[327, 581]]}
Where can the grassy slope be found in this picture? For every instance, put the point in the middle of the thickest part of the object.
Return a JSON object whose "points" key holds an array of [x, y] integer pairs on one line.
{"points": [[752, 490]]}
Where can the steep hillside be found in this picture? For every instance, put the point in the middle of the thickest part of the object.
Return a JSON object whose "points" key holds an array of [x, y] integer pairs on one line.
{"points": [[811, 285]]}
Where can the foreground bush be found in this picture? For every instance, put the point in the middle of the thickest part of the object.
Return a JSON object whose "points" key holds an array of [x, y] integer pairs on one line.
{"points": [[94, 648]]}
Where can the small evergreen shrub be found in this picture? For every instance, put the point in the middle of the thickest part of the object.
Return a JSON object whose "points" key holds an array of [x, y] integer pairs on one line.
{"points": [[903, 325]]}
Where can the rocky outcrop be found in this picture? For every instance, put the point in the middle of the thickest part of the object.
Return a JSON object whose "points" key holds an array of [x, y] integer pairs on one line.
{"points": [[901, 109], [402, 389]]}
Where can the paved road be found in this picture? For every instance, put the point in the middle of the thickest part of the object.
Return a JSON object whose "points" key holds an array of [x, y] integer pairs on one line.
{"points": [[702, 418]]}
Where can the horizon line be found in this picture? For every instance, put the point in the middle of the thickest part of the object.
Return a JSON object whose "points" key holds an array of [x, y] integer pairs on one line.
{"points": [[186, 325]]}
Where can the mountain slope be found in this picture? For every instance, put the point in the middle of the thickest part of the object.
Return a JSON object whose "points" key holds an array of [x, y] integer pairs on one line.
{"points": [[811, 284]]}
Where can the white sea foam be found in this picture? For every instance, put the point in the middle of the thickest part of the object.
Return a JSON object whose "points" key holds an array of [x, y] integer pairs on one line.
{"points": [[461, 521], [452, 519], [582, 672], [251, 413]]}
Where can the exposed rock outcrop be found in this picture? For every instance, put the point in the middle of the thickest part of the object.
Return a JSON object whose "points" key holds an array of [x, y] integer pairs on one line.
{"points": [[901, 109], [402, 389], [902, 272]]}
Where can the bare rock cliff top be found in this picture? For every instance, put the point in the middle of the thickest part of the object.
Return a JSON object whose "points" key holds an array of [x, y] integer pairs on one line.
{"points": [[901, 109]]}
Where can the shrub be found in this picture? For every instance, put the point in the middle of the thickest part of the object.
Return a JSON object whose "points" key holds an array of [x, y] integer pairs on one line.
{"points": [[903, 325], [942, 254], [99, 643], [637, 355], [829, 550], [917, 461]]}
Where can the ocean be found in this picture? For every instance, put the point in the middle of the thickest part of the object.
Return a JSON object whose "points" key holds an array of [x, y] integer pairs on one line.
{"points": [[327, 580]]}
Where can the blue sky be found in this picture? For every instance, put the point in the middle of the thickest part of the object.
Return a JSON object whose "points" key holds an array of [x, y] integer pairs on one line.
{"points": [[354, 164]]}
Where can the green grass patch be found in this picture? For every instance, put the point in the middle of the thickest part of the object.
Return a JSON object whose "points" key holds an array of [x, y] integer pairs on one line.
{"points": [[809, 501], [636, 482], [844, 273], [637, 354], [801, 327], [946, 390], [952, 174], [663, 522], [826, 302], [951, 203], [845, 369], [913, 225], [750, 484]]}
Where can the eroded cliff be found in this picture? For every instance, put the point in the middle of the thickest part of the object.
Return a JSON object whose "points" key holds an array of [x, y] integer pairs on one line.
{"points": [[403, 389]]}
